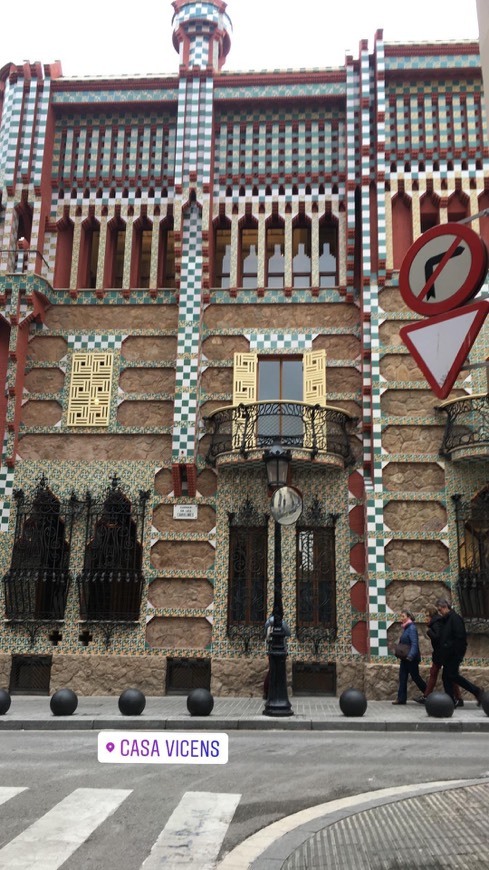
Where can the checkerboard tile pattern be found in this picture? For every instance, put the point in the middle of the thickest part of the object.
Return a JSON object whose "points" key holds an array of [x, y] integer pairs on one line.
{"points": [[87, 342], [280, 341], [187, 370]]}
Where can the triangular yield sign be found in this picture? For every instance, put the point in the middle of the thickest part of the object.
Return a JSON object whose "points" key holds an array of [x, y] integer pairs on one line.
{"points": [[441, 345]]}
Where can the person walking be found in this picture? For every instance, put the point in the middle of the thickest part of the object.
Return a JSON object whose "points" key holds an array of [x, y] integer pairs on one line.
{"points": [[409, 666], [452, 649], [434, 623]]}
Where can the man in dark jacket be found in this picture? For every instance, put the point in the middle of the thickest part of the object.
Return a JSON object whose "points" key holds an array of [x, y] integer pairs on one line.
{"points": [[451, 650]]}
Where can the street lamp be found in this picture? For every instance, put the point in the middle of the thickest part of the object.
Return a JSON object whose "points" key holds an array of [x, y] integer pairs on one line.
{"points": [[277, 463]]}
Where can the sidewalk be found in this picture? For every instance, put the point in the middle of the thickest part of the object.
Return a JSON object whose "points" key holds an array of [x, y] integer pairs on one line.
{"points": [[29, 713]]}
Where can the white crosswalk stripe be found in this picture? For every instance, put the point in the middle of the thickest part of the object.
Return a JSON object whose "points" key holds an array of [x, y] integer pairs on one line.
{"points": [[194, 832], [7, 793], [49, 842]]}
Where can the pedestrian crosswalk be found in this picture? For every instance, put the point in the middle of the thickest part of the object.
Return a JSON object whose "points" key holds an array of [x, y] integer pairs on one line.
{"points": [[190, 839]]}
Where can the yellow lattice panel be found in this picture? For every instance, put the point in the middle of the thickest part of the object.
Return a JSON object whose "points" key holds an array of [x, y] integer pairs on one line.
{"points": [[244, 379], [90, 388], [244, 391], [314, 391], [315, 377]]}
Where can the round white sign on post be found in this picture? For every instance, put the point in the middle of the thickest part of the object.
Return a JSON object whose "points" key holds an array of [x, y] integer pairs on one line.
{"points": [[286, 506], [443, 269]]}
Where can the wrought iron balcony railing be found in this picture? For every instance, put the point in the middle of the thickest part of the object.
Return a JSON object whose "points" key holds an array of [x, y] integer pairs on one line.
{"points": [[473, 590], [258, 425], [110, 596], [35, 594], [467, 426]]}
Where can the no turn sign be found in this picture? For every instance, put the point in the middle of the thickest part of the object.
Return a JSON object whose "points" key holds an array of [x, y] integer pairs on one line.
{"points": [[444, 268]]}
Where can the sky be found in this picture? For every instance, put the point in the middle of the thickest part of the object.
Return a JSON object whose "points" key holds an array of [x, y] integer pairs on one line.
{"points": [[103, 37]]}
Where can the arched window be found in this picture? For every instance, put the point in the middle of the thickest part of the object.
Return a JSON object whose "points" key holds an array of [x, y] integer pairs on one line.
{"points": [[328, 251], [458, 206], [484, 221], [114, 254], [141, 252], [64, 253], [111, 583], [301, 251], [222, 253], [429, 208], [36, 584], [316, 574], [89, 249], [275, 259], [248, 253], [402, 228], [247, 590], [473, 554], [166, 253]]}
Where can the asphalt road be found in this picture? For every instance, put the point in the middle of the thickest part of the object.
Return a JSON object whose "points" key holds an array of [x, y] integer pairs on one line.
{"points": [[275, 774]]}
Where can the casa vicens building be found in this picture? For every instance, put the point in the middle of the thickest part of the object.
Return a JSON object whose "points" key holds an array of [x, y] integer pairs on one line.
{"points": [[198, 267]]}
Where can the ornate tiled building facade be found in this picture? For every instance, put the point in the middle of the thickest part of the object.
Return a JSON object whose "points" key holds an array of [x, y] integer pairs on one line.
{"points": [[192, 269]]}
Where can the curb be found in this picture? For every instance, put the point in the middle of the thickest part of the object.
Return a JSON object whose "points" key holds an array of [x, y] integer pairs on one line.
{"points": [[136, 723]]}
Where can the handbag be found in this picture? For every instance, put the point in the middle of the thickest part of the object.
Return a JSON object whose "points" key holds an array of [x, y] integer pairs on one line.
{"points": [[401, 650]]}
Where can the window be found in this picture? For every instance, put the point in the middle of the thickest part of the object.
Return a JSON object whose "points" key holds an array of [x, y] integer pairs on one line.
{"points": [[247, 597], [115, 255], [222, 258], [328, 253], [141, 253], [283, 387], [301, 255], [275, 255], [249, 257], [111, 583], [473, 555], [316, 601], [89, 248], [166, 254], [36, 584]]}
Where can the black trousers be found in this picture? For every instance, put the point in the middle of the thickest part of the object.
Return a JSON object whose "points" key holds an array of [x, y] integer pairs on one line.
{"points": [[451, 675], [408, 669]]}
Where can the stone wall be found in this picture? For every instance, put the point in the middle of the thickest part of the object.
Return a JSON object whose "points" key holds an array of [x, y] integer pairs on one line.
{"points": [[5, 665], [241, 677], [108, 674]]}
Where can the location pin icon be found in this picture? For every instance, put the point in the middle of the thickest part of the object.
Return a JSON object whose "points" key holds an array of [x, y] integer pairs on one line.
{"points": [[109, 747]]}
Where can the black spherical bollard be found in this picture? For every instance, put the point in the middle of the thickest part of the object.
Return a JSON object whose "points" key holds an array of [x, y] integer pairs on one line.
{"points": [[64, 702], [439, 705], [4, 701], [484, 702], [132, 702], [353, 702], [200, 702]]}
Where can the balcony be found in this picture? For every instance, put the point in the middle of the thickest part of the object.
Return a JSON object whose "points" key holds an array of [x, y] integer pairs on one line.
{"points": [[473, 590], [466, 433], [320, 433]]}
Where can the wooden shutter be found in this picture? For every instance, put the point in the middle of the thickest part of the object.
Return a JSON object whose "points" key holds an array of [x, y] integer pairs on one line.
{"points": [[244, 393], [314, 392], [314, 377]]}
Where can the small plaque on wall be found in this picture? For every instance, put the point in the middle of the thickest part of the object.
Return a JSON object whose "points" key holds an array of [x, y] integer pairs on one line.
{"points": [[185, 511]]}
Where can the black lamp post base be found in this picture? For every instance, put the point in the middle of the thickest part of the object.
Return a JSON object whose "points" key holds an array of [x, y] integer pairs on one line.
{"points": [[276, 710]]}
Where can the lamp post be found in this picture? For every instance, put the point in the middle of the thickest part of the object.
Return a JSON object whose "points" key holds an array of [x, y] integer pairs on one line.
{"points": [[277, 462]]}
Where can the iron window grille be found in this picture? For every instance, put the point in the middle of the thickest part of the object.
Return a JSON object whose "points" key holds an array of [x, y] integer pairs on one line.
{"points": [[111, 583], [472, 519], [30, 675], [316, 576], [247, 596], [37, 582], [183, 675]]}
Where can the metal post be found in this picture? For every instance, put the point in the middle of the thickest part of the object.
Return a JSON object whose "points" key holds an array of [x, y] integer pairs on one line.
{"points": [[278, 703]]}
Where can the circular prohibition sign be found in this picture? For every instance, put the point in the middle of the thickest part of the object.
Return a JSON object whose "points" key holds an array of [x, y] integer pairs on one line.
{"points": [[443, 269]]}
